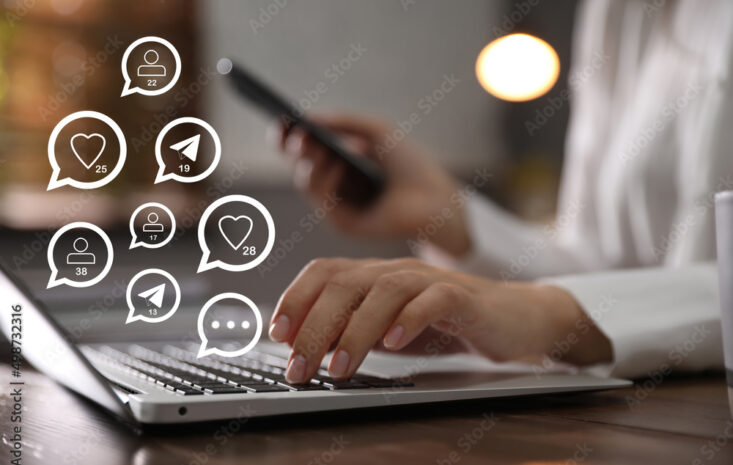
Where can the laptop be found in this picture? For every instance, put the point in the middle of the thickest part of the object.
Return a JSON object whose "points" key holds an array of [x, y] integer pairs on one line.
{"points": [[164, 382]]}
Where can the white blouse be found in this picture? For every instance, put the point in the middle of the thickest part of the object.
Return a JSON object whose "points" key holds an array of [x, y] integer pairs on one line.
{"points": [[649, 143]]}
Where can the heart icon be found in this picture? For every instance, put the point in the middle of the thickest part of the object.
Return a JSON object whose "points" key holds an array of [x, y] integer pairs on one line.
{"points": [[232, 228], [88, 147]]}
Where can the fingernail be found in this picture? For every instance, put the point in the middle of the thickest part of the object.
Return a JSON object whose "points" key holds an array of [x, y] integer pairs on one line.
{"points": [[393, 336], [293, 143], [339, 364], [296, 370], [280, 328]]}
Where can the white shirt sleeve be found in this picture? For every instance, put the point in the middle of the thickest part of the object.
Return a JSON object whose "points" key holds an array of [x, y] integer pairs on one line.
{"points": [[507, 248], [658, 320]]}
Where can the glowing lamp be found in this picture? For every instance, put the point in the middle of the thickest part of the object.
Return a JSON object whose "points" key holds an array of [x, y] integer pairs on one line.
{"points": [[517, 67]]}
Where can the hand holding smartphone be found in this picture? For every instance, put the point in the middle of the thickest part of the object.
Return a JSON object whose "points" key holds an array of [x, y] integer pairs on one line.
{"points": [[363, 182]]}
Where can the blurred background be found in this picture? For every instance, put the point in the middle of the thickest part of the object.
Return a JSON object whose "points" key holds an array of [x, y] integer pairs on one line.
{"points": [[384, 59]]}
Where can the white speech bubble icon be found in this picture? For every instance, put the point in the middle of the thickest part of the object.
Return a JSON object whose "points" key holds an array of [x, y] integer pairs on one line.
{"points": [[162, 176], [155, 226], [53, 281], [204, 350], [56, 179], [206, 252], [128, 89], [153, 296]]}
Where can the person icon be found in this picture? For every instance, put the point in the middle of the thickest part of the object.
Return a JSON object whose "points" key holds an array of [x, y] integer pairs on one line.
{"points": [[152, 225], [80, 256], [151, 69]]}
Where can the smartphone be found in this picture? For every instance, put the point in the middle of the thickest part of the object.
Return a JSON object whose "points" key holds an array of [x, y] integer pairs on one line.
{"points": [[364, 180]]}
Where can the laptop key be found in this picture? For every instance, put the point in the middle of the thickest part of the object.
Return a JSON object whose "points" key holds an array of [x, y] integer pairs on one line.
{"points": [[269, 375], [188, 391], [149, 375], [212, 384], [224, 390], [254, 373], [182, 389], [303, 387], [181, 373], [173, 385], [375, 381], [345, 384], [264, 388], [331, 383], [229, 376]]}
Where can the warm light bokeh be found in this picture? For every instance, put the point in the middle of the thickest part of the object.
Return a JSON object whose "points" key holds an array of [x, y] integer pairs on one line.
{"points": [[518, 67]]}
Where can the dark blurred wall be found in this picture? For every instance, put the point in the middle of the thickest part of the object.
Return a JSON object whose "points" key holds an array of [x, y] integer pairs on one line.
{"points": [[62, 56]]}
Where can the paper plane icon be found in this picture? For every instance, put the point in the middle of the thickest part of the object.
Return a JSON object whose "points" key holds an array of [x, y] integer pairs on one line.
{"points": [[188, 148], [154, 295]]}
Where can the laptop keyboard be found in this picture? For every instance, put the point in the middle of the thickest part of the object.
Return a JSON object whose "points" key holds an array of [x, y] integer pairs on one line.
{"points": [[179, 371]]}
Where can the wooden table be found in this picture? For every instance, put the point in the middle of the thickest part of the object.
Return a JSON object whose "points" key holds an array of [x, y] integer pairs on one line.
{"points": [[680, 420]]}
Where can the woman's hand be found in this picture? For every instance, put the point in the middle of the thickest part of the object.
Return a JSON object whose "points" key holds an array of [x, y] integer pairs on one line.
{"points": [[417, 188], [357, 303]]}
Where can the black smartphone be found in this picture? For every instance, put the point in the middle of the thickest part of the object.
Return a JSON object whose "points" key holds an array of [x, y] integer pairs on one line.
{"points": [[364, 180]]}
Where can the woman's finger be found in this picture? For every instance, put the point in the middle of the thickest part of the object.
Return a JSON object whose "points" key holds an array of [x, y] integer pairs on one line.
{"points": [[387, 297], [293, 142], [328, 316], [438, 302], [340, 297], [324, 177], [300, 296]]}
